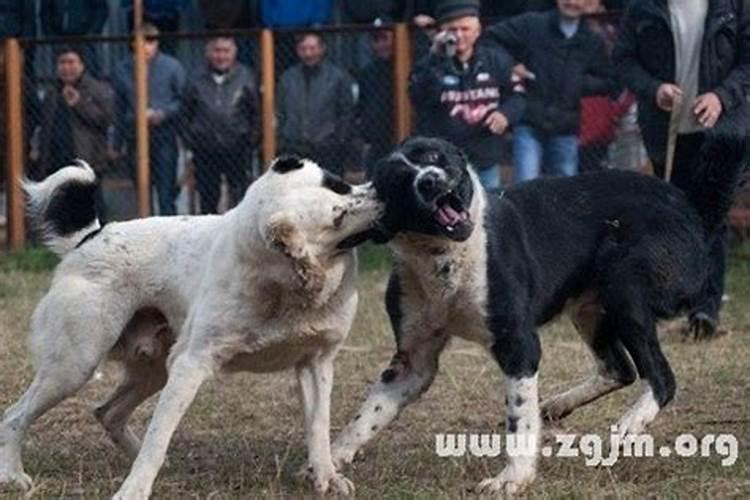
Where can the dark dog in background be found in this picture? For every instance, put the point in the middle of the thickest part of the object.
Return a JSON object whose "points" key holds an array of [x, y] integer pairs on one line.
{"points": [[618, 250]]}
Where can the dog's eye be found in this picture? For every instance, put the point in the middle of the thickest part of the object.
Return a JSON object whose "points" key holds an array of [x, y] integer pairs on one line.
{"points": [[430, 157]]}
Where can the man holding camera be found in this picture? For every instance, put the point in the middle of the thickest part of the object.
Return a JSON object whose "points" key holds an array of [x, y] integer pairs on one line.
{"points": [[464, 92]]}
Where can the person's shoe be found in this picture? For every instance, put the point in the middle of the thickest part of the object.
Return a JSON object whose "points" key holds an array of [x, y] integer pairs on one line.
{"points": [[702, 326]]}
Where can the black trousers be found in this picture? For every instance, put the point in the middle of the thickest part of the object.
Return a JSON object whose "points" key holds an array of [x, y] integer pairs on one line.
{"points": [[684, 174], [210, 163]]}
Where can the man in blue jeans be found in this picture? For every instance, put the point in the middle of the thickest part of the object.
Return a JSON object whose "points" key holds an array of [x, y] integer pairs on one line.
{"points": [[166, 80], [560, 61]]}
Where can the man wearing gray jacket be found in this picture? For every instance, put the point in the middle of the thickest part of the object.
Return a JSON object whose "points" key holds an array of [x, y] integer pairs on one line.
{"points": [[315, 110], [221, 114]]}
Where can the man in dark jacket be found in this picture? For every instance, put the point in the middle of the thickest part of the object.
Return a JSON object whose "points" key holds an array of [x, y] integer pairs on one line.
{"points": [[315, 107], [464, 92], [221, 114], [75, 114], [561, 61], [376, 99], [166, 81], [689, 64]]}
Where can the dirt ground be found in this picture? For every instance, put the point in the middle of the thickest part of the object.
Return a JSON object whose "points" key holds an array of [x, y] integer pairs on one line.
{"points": [[243, 436]]}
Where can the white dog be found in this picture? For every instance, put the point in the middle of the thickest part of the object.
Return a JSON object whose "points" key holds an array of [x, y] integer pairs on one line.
{"points": [[267, 286]]}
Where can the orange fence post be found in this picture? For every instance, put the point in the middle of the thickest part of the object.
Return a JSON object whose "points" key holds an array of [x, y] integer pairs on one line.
{"points": [[14, 143], [401, 70], [143, 168], [267, 96]]}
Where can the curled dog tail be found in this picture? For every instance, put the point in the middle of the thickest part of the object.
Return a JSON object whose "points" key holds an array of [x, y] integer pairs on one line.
{"points": [[724, 156], [62, 207]]}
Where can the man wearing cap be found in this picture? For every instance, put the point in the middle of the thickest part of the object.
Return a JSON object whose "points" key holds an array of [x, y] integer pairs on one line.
{"points": [[464, 92], [560, 61]]}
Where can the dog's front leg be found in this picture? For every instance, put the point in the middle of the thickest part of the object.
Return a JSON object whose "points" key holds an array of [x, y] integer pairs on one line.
{"points": [[186, 375], [410, 374], [519, 360], [315, 380]]}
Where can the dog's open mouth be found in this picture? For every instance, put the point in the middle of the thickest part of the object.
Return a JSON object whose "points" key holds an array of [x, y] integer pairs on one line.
{"points": [[454, 220]]}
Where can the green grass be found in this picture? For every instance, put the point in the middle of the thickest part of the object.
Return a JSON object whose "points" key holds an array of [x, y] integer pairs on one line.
{"points": [[242, 438]]}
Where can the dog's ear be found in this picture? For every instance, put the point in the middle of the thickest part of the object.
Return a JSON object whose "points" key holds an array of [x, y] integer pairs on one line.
{"points": [[282, 234]]}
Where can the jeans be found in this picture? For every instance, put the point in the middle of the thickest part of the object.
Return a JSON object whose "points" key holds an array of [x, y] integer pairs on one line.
{"points": [[530, 147], [163, 157], [489, 177]]}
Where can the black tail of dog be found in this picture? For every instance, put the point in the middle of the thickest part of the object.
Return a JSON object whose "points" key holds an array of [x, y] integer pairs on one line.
{"points": [[724, 157], [63, 206]]}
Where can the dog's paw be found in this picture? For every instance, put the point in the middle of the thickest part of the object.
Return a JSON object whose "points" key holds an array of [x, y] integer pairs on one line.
{"points": [[16, 478], [509, 482], [340, 485]]}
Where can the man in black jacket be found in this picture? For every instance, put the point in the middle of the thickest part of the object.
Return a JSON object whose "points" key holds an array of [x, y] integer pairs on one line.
{"points": [[560, 60], [315, 107], [464, 92], [222, 116], [689, 64]]}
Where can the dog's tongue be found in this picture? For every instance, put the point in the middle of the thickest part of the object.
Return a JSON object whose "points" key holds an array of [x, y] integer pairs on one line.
{"points": [[447, 216]]}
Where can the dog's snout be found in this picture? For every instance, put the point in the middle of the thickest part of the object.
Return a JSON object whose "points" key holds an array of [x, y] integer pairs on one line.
{"points": [[431, 183]]}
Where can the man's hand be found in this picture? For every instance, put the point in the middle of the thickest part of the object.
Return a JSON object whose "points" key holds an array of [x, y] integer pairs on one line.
{"points": [[496, 122], [667, 96], [423, 21], [707, 109], [70, 95], [154, 117], [521, 71]]}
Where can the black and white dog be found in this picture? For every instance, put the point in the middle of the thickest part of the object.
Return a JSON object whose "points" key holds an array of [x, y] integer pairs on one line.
{"points": [[618, 250]]}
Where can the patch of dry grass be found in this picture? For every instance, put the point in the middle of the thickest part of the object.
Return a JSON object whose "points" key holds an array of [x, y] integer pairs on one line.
{"points": [[243, 438]]}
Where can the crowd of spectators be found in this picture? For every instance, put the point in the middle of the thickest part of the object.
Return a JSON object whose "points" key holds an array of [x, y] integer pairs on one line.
{"points": [[530, 85]]}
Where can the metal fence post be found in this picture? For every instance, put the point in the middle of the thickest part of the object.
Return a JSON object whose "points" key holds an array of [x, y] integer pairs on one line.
{"points": [[143, 167], [401, 70], [14, 143], [268, 85]]}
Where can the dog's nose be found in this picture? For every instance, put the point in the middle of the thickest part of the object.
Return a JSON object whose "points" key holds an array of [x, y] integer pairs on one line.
{"points": [[431, 184]]}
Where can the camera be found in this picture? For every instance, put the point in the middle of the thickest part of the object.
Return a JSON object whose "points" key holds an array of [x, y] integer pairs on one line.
{"points": [[444, 44]]}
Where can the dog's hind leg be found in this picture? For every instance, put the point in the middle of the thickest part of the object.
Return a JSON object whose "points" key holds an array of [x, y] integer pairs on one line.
{"points": [[140, 381], [614, 369], [630, 319], [188, 370], [659, 383], [65, 363], [410, 374]]}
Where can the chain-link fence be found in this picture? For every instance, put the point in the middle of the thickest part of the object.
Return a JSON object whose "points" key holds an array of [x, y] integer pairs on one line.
{"points": [[205, 114]]}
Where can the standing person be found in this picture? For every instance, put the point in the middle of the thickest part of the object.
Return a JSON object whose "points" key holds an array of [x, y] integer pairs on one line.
{"points": [[316, 106], [688, 62], [464, 92], [222, 117], [75, 18], [376, 99], [166, 80], [75, 114], [560, 60]]}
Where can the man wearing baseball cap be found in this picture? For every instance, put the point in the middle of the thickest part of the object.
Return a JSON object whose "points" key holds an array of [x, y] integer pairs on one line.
{"points": [[464, 92]]}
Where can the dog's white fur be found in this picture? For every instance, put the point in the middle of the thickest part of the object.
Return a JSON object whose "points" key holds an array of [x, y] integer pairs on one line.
{"points": [[261, 288]]}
